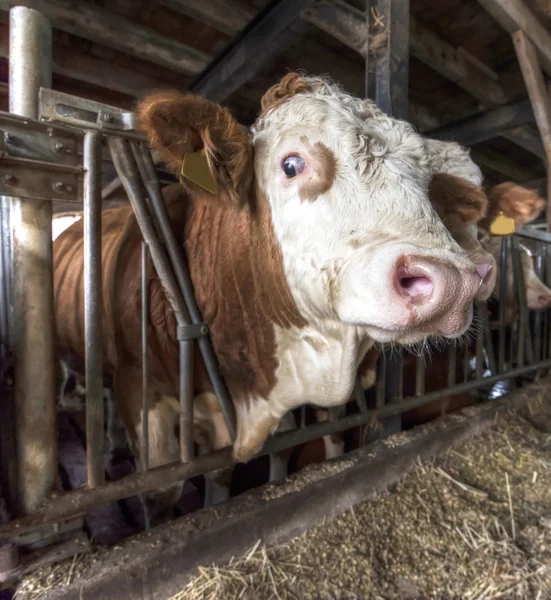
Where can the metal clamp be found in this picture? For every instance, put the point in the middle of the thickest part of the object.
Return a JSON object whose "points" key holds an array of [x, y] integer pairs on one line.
{"points": [[193, 331]]}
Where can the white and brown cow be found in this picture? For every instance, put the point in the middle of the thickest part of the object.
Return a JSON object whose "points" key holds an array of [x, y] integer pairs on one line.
{"points": [[320, 241]]}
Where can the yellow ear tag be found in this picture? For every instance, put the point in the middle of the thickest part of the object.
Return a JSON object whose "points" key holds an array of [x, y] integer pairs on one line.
{"points": [[196, 168], [502, 225]]}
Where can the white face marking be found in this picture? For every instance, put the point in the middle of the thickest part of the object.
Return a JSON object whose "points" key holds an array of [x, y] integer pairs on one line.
{"points": [[341, 250]]}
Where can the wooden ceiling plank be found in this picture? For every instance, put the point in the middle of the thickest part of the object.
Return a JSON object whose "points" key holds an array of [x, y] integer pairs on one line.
{"points": [[219, 14], [514, 15], [274, 29], [487, 125], [90, 22]]}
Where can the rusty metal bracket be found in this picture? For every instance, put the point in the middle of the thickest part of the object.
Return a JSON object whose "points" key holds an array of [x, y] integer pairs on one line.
{"points": [[193, 331]]}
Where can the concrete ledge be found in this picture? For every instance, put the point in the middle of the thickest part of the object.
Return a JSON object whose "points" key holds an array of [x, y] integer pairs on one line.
{"points": [[158, 564]]}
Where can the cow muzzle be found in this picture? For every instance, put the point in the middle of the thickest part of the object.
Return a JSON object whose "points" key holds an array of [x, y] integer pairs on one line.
{"points": [[435, 295]]}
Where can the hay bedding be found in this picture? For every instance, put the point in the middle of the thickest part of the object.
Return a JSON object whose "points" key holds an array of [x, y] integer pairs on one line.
{"points": [[473, 524]]}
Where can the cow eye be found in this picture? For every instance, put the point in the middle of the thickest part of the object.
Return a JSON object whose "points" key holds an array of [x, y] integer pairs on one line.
{"points": [[293, 166]]}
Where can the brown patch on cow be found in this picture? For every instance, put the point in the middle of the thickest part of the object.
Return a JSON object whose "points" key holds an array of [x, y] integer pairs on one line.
{"points": [[324, 166], [236, 267], [291, 85], [177, 123], [517, 202], [458, 202]]}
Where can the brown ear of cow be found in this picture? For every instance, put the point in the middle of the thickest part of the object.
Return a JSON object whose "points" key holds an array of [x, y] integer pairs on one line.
{"points": [[517, 202], [457, 201], [291, 85], [177, 124]]}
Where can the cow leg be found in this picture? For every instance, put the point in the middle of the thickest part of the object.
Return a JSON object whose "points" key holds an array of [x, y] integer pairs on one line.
{"points": [[279, 461], [255, 422], [162, 441], [164, 449], [334, 445], [211, 434]]}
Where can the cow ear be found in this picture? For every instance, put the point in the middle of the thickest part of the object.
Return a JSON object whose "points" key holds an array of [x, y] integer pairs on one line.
{"points": [[179, 125], [458, 202], [517, 202]]}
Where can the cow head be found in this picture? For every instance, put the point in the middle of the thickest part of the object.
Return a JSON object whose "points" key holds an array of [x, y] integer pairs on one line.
{"points": [[538, 295], [347, 194], [516, 202], [461, 204]]}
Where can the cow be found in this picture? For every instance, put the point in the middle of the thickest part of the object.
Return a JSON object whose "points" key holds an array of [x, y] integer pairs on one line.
{"points": [[319, 241]]}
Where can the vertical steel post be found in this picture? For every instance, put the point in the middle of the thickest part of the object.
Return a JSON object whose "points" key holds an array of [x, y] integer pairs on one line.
{"points": [[145, 392], [93, 308], [30, 59], [502, 303], [386, 82]]}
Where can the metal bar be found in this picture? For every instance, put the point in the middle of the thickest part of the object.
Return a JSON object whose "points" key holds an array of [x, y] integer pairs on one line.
{"points": [[93, 308], [502, 303], [8, 441], [186, 346], [122, 159], [466, 365], [78, 501], [381, 382], [479, 307], [538, 317], [186, 401], [525, 337], [33, 305], [452, 365], [181, 272], [420, 376], [145, 391], [110, 188]]}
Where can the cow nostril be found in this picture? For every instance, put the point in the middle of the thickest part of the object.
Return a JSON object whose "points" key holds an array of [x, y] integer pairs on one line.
{"points": [[417, 287], [544, 301], [483, 269]]}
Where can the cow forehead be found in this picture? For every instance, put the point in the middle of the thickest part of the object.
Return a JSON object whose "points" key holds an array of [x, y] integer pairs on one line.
{"points": [[350, 128]]}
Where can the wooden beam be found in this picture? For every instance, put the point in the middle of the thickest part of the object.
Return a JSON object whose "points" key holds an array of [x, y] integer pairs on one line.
{"points": [[500, 163], [514, 15], [535, 84], [387, 68], [90, 22], [487, 125], [230, 18], [90, 69], [452, 64], [539, 96], [266, 36]]}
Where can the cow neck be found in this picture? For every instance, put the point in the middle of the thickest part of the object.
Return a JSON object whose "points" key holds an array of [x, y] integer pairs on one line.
{"points": [[236, 267]]}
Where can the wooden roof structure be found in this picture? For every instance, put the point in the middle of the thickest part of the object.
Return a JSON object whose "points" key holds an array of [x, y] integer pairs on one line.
{"points": [[465, 82]]}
